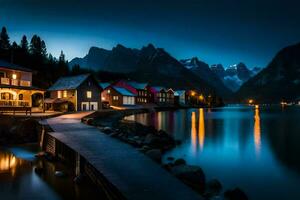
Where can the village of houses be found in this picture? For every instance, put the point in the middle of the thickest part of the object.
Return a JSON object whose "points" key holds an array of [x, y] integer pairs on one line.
{"points": [[84, 93]]}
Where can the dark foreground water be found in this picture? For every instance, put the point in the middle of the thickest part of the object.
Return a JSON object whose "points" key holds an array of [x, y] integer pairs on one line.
{"points": [[18, 180], [257, 150]]}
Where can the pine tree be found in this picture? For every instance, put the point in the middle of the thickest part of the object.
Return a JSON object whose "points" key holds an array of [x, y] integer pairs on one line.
{"points": [[4, 39], [24, 43], [43, 49], [35, 45], [62, 57], [14, 46]]}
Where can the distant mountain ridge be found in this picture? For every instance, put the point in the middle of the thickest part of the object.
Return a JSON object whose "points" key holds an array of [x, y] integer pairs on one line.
{"points": [[235, 75], [202, 70], [150, 64], [279, 81]]}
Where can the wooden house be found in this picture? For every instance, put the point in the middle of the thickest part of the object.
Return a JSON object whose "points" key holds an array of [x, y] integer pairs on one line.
{"points": [[140, 90], [143, 95], [16, 90], [74, 93], [162, 96], [180, 97], [118, 96]]}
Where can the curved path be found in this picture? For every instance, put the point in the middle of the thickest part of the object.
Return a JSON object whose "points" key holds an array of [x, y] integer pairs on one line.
{"points": [[136, 176]]}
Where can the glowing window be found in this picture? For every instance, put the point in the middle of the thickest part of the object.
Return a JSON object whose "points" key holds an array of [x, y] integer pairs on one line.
{"points": [[89, 94], [65, 94], [115, 98], [58, 94]]}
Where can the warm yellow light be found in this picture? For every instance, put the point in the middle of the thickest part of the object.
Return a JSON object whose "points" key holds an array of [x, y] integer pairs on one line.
{"points": [[193, 93], [201, 128], [14, 76], [250, 101], [256, 106], [103, 98], [201, 97], [283, 103], [89, 94], [257, 131]]}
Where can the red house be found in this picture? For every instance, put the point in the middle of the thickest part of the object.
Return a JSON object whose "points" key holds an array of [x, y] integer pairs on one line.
{"points": [[140, 90]]}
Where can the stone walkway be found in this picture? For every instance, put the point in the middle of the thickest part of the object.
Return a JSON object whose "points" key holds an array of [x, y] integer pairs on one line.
{"points": [[136, 176]]}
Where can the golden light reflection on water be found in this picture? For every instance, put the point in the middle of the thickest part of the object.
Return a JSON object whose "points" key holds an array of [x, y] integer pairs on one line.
{"points": [[201, 128], [257, 131], [159, 121], [194, 132], [8, 163], [198, 135]]}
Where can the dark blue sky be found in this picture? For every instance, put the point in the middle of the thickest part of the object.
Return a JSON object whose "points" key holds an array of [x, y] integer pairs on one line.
{"points": [[217, 31]]}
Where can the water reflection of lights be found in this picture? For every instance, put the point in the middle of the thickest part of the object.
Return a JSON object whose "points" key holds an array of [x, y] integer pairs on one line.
{"points": [[197, 135], [159, 121], [194, 132], [8, 162], [201, 128], [257, 131]]}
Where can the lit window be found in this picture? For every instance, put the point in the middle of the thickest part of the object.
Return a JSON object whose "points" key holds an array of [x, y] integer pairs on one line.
{"points": [[14, 76], [65, 94], [20, 97], [115, 98], [108, 91], [89, 94], [59, 94]]}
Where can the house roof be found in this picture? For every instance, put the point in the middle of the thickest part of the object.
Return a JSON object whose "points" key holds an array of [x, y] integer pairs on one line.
{"points": [[12, 66], [104, 85], [136, 85], [179, 92], [69, 83], [157, 88], [123, 91]]}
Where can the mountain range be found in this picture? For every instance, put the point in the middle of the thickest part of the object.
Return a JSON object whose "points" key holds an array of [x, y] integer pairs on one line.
{"points": [[153, 65], [280, 80], [235, 75]]}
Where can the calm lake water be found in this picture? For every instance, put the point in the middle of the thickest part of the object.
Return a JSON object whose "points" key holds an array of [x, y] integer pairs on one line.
{"points": [[18, 180], [257, 150]]}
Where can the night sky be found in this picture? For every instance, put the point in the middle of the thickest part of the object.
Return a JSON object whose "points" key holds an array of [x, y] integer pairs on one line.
{"points": [[216, 31]]}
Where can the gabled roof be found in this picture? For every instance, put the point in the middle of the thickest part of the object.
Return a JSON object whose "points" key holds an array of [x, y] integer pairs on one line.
{"points": [[157, 88], [104, 85], [8, 65], [123, 91], [136, 85], [179, 92], [69, 83]]}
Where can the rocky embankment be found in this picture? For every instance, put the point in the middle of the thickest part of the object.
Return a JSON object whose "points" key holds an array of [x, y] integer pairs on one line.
{"points": [[154, 143], [16, 130]]}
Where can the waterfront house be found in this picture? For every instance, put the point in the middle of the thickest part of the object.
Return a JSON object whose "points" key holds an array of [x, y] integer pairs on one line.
{"points": [[170, 97], [143, 95], [103, 87], [162, 96], [118, 96], [75, 93], [180, 97], [140, 90], [16, 89]]}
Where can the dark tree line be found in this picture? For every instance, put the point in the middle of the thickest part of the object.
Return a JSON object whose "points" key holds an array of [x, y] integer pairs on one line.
{"points": [[33, 55]]}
